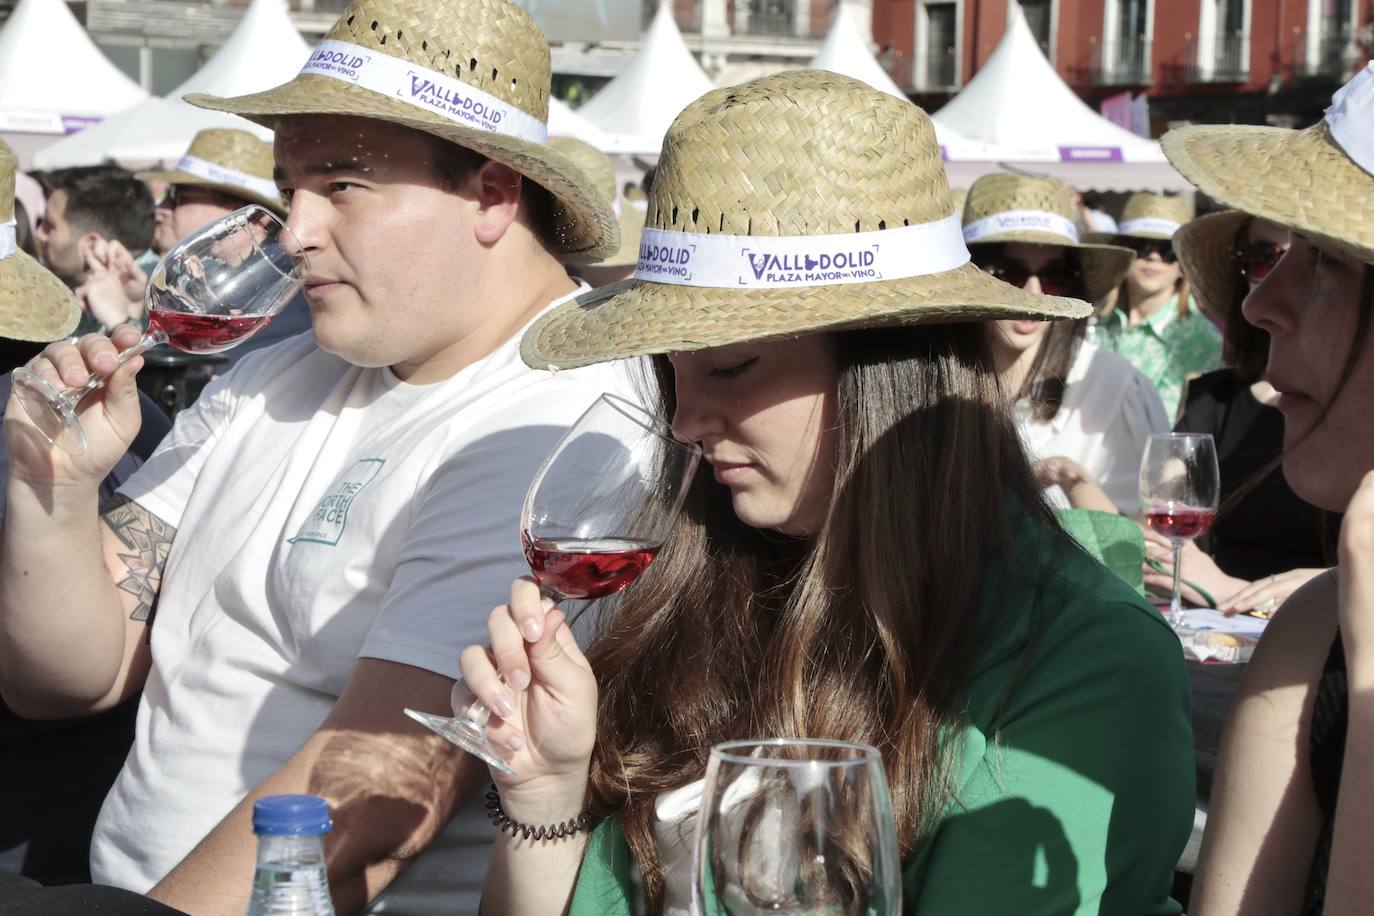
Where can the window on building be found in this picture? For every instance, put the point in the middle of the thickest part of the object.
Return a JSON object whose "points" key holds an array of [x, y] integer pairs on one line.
{"points": [[941, 45], [1038, 15], [770, 17], [1128, 54]]}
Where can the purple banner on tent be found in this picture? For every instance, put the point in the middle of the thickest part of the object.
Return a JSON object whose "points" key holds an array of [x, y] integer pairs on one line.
{"points": [[1090, 154], [72, 123]]}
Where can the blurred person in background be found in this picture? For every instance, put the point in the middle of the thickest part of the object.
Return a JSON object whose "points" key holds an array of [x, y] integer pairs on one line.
{"points": [[98, 219], [1154, 322], [600, 171], [1266, 541], [1084, 414]]}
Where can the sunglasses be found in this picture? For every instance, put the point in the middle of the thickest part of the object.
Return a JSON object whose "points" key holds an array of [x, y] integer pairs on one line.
{"points": [[1257, 260], [178, 194], [1143, 248], [1055, 278]]}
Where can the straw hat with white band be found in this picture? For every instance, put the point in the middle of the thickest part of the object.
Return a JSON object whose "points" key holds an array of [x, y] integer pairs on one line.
{"points": [[1039, 211], [34, 305], [601, 170], [802, 202], [473, 72], [1152, 216], [1207, 249], [232, 161], [1318, 182]]}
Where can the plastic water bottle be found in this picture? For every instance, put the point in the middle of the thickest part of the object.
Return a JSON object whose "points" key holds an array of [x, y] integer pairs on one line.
{"points": [[291, 879]]}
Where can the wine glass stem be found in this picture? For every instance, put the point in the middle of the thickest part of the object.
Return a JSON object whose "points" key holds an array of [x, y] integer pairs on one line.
{"points": [[151, 338], [1176, 603]]}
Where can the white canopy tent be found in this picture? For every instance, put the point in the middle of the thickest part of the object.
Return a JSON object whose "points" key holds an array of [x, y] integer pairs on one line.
{"points": [[565, 122], [636, 108], [1026, 117], [53, 78], [264, 50], [848, 51]]}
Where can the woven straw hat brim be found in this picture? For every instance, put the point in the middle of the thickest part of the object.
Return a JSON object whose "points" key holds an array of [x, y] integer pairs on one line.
{"points": [[1207, 252], [589, 230], [1103, 266], [1300, 179], [273, 204], [635, 317], [34, 305]]}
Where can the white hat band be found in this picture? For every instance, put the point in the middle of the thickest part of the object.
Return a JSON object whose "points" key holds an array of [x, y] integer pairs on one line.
{"points": [[1152, 224], [773, 262], [9, 242], [1020, 221], [430, 90], [1351, 118], [222, 175]]}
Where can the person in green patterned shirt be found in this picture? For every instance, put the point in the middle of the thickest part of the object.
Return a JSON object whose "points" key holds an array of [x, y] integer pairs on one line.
{"points": [[1154, 322]]}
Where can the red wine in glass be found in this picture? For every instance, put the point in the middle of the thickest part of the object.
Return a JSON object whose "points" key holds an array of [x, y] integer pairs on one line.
{"points": [[205, 333], [598, 510], [576, 568], [1180, 522]]}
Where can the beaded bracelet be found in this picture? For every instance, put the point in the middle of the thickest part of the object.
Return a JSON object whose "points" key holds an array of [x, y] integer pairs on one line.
{"points": [[501, 821]]}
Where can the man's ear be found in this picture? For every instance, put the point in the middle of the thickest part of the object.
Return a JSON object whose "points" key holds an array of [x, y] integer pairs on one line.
{"points": [[497, 188]]}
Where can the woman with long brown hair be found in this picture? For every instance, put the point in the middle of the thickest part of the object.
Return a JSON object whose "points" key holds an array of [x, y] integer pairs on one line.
{"points": [[1085, 414], [866, 556]]}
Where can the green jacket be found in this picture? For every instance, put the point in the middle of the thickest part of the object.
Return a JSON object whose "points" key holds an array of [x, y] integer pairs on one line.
{"points": [[1081, 800]]}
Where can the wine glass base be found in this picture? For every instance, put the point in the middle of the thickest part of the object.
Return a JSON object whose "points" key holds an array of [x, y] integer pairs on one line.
{"points": [[464, 734], [51, 412]]}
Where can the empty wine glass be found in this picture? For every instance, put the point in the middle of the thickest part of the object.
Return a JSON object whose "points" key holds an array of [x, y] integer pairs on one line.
{"points": [[214, 290], [594, 518], [795, 826], [1180, 486]]}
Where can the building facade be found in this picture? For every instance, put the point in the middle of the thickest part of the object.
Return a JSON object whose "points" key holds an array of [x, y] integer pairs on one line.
{"points": [[1242, 61]]}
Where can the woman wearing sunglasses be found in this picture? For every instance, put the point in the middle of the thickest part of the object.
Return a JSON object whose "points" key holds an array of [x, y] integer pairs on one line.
{"points": [[1249, 561], [1153, 322], [1085, 414], [1291, 825]]}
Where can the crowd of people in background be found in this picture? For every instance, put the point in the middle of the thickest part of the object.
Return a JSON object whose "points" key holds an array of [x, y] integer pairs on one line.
{"points": [[471, 289]]}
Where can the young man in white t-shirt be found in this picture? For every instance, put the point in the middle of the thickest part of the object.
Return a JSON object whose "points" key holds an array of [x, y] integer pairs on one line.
{"points": [[333, 519]]}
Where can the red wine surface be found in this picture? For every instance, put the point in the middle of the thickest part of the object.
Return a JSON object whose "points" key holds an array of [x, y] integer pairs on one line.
{"points": [[1180, 522], [575, 568], [206, 333]]}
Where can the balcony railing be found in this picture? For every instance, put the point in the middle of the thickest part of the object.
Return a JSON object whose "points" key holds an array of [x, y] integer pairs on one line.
{"points": [[1117, 62], [935, 71], [1225, 59], [1331, 53]]}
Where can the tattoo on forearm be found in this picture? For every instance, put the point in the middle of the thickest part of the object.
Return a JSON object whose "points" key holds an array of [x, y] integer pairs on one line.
{"points": [[148, 539]]}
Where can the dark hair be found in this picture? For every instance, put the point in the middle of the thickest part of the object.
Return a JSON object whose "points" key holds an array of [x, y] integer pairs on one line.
{"points": [[867, 631], [1049, 372], [107, 200], [455, 163], [1244, 347], [23, 232]]}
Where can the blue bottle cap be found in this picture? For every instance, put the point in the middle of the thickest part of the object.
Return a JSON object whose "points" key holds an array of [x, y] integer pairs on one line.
{"points": [[291, 815]]}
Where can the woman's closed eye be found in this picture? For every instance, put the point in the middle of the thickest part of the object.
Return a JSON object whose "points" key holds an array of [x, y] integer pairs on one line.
{"points": [[735, 371]]}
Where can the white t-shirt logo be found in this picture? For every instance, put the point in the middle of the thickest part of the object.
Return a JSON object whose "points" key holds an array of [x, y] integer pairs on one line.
{"points": [[326, 524]]}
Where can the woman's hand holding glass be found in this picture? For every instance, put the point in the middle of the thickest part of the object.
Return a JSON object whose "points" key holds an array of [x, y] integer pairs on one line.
{"points": [[543, 698]]}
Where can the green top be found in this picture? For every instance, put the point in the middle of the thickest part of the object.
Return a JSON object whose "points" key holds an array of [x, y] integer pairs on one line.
{"points": [[1166, 348], [1081, 801]]}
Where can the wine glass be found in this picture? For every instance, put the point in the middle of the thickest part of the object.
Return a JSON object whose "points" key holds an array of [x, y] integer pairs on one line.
{"points": [[595, 515], [214, 290], [795, 826], [1180, 485]]}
